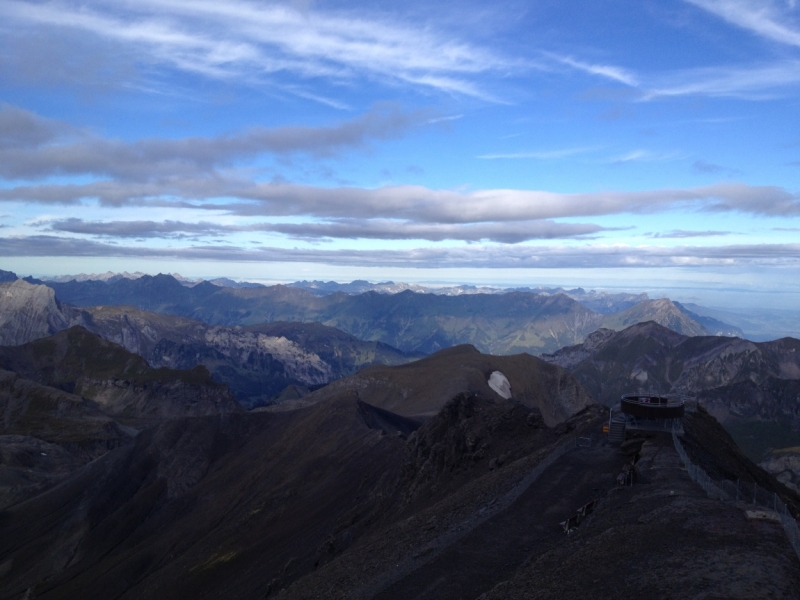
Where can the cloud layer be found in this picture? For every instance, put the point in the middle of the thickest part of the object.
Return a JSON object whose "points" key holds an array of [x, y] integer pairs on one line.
{"points": [[542, 257], [33, 147]]}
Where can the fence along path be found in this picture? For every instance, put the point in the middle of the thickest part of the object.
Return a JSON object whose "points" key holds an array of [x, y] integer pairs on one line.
{"points": [[741, 491]]}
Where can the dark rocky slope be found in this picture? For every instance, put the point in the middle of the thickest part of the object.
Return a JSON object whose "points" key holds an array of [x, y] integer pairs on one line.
{"points": [[345, 499], [242, 504], [661, 538], [421, 388], [119, 382], [71, 398]]}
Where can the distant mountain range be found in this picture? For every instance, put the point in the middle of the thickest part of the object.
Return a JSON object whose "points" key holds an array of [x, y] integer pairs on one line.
{"points": [[602, 302], [505, 323], [260, 364], [752, 388]]}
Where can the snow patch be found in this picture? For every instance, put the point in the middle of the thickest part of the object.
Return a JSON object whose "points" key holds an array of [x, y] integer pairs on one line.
{"points": [[499, 383]]}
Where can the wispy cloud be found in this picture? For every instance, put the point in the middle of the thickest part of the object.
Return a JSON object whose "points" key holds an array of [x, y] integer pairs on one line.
{"points": [[541, 154], [247, 41], [641, 155], [445, 119], [708, 168], [680, 233], [767, 18], [612, 72], [754, 82]]}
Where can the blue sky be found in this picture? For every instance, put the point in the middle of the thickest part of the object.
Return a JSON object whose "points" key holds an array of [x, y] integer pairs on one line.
{"points": [[621, 145]]}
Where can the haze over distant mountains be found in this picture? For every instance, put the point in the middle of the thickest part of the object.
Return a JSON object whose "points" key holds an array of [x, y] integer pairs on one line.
{"points": [[503, 323], [754, 323]]}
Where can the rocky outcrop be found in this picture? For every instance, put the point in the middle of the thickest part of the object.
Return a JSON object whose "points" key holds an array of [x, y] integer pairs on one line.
{"points": [[420, 389], [752, 388], [256, 362], [119, 383], [784, 464], [469, 432], [29, 312]]}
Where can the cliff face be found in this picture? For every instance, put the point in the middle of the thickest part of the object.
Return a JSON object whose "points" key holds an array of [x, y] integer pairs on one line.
{"points": [[29, 312], [257, 362]]}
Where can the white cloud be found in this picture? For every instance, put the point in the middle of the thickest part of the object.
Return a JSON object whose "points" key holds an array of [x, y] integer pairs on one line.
{"points": [[753, 82], [541, 154], [248, 41], [594, 256], [411, 203], [766, 18], [378, 229], [615, 73]]}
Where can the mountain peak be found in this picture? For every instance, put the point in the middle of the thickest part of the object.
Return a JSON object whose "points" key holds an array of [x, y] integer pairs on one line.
{"points": [[27, 312]]}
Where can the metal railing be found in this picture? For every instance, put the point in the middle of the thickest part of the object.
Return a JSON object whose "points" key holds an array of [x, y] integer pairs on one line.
{"points": [[742, 491]]}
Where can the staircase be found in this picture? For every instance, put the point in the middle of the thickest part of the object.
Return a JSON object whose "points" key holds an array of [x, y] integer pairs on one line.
{"points": [[616, 432]]}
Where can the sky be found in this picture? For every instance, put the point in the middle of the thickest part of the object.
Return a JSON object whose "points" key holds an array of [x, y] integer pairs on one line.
{"points": [[623, 145]]}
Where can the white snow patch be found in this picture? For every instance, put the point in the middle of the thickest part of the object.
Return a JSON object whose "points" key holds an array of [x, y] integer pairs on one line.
{"points": [[499, 383]]}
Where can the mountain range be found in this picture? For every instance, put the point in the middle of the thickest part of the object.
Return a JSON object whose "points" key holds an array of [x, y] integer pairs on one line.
{"points": [[496, 323], [413, 481], [259, 363], [129, 467]]}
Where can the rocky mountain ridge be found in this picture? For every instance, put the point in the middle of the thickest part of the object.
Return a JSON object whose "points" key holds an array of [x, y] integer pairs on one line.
{"points": [[418, 390], [752, 388], [256, 362], [784, 464], [499, 323]]}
